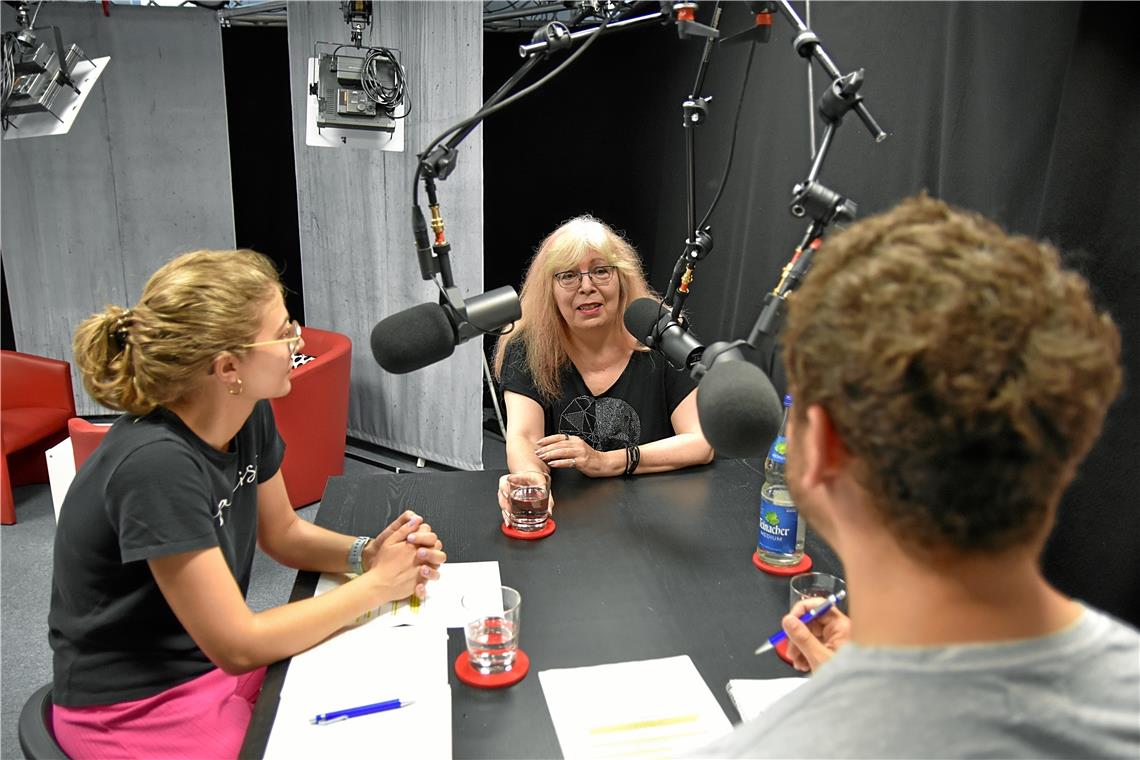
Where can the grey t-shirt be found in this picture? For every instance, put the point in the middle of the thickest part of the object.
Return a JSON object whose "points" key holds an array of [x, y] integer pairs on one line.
{"points": [[1073, 694]]}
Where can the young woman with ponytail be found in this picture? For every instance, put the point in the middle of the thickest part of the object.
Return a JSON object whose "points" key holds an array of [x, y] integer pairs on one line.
{"points": [[156, 653]]}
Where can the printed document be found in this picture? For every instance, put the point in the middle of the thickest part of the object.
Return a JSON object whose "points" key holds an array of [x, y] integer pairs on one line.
{"points": [[443, 606], [648, 708], [752, 696]]}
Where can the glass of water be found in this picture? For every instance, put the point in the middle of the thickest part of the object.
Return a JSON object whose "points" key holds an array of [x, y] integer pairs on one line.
{"points": [[810, 585], [492, 629], [528, 494]]}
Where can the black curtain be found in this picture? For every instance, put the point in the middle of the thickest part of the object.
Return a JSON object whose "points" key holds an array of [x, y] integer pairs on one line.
{"points": [[1026, 112], [260, 120]]}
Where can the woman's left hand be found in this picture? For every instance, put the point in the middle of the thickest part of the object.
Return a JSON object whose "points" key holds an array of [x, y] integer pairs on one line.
{"points": [[561, 451]]}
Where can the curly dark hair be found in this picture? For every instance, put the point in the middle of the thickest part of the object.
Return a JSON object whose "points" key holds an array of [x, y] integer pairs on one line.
{"points": [[967, 371]]}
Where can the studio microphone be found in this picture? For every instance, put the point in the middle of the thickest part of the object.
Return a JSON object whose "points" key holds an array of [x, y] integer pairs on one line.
{"points": [[739, 410], [429, 332], [652, 324]]}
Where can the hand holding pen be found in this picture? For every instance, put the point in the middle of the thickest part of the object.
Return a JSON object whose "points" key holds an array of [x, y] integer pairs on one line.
{"points": [[814, 630]]}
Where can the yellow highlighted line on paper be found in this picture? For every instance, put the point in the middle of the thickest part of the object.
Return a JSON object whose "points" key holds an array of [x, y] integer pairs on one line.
{"points": [[636, 725], [643, 740], [653, 752]]}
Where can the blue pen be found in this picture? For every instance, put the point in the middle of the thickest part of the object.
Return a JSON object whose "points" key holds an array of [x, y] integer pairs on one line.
{"points": [[356, 712], [807, 617]]}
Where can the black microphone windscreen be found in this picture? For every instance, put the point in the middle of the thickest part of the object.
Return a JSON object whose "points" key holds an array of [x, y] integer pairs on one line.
{"points": [[641, 316], [413, 338], [739, 410]]}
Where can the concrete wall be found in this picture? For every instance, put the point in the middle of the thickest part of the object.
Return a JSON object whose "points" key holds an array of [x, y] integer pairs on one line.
{"points": [[357, 251], [143, 174]]}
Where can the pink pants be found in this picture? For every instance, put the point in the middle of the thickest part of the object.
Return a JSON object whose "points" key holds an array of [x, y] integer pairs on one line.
{"points": [[205, 717]]}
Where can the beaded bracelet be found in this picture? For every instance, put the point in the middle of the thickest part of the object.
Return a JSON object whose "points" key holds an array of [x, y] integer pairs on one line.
{"points": [[632, 459]]}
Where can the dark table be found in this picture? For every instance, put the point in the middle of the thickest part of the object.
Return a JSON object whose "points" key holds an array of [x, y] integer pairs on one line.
{"points": [[639, 568]]}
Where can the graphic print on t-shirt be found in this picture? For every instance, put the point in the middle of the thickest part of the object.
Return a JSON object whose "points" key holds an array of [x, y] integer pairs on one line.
{"points": [[247, 476], [604, 423]]}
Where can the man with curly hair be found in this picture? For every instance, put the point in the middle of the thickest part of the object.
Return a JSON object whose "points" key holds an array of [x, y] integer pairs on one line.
{"points": [[948, 380]]}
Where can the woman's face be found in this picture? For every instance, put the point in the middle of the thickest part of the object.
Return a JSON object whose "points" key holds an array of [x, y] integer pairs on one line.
{"points": [[265, 369], [589, 304]]}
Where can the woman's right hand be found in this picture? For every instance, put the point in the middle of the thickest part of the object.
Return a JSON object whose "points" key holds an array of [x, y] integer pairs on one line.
{"points": [[812, 644], [408, 556]]}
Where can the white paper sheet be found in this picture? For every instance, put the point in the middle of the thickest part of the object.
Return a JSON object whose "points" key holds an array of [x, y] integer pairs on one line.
{"points": [[649, 708], [360, 666], [752, 696], [421, 730], [443, 605]]}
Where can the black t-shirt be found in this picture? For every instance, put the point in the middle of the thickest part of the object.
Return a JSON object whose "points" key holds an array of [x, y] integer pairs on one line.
{"points": [[636, 409], [151, 489]]}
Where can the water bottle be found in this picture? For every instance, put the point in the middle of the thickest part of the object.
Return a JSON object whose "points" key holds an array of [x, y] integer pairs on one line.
{"points": [[780, 539]]}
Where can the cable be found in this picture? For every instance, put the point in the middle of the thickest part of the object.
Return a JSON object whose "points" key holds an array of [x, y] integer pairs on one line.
{"points": [[732, 144], [811, 84], [388, 97], [10, 49], [482, 114]]}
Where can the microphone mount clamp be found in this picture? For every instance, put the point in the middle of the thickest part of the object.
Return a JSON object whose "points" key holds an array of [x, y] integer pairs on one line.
{"points": [[685, 14], [358, 16], [823, 206]]}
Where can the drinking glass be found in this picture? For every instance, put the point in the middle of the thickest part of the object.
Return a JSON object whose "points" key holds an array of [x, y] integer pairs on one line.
{"points": [[528, 496], [809, 585], [492, 629]]}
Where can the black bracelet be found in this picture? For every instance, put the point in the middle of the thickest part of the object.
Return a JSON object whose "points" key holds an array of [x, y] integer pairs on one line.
{"points": [[632, 459]]}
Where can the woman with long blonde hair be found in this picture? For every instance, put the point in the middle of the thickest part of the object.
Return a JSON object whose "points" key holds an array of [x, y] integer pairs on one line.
{"points": [[579, 390], [156, 653]]}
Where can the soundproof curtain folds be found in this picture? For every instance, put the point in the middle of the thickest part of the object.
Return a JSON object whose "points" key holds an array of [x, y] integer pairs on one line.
{"points": [[357, 251], [143, 174]]}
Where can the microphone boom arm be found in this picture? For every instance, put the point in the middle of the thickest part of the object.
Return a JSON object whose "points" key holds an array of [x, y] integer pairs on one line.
{"points": [[807, 45], [699, 243], [810, 198], [543, 46]]}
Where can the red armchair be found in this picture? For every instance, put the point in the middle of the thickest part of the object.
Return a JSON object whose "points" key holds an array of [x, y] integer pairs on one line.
{"points": [[85, 438], [36, 401], [313, 418]]}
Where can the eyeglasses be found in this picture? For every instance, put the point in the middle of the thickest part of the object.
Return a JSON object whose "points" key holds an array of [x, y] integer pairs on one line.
{"points": [[293, 341], [599, 275]]}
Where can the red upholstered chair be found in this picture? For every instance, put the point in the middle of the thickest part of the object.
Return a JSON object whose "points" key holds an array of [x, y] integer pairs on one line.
{"points": [[36, 401], [85, 438], [313, 418]]}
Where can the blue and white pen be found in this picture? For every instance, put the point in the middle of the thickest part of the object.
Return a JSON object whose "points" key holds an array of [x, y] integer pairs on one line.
{"points": [[807, 617], [356, 712]]}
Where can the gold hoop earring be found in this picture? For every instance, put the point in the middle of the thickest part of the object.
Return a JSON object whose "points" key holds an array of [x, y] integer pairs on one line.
{"points": [[239, 388]]}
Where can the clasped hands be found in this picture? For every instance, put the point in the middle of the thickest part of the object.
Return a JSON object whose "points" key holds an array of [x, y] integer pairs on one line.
{"points": [[407, 554], [812, 644]]}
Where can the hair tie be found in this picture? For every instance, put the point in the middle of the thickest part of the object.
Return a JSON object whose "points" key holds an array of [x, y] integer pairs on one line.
{"points": [[119, 329]]}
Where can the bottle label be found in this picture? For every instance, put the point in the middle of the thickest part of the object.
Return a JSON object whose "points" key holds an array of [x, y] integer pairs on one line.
{"points": [[777, 534], [779, 450]]}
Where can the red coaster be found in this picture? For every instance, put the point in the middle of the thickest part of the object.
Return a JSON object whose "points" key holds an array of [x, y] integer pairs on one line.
{"points": [[782, 651], [800, 567], [473, 677], [529, 535]]}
